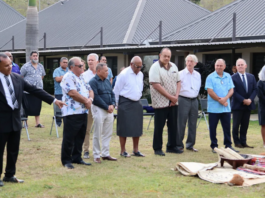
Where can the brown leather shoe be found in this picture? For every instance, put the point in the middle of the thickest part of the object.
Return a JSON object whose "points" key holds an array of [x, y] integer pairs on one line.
{"points": [[247, 146], [239, 146], [109, 158], [97, 160], [192, 149]]}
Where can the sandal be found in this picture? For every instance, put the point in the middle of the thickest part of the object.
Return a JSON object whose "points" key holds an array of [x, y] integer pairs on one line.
{"points": [[138, 154], [125, 154], [39, 126]]}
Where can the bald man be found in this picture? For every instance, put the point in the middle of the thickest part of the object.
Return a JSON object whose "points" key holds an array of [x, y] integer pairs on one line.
{"points": [[128, 92]]}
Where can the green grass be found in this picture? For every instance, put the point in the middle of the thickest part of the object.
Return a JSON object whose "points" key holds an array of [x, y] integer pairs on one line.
{"points": [[40, 166]]}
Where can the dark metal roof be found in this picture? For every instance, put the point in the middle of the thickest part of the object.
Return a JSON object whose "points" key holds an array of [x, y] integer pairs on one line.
{"points": [[173, 14], [75, 22], [250, 23], [8, 16]]}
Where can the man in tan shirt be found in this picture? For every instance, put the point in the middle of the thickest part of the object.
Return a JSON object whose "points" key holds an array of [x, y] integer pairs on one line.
{"points": [[165, 87]]}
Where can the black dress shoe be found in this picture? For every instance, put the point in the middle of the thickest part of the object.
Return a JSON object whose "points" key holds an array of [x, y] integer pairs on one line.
{"points": [[1, 183], [232, 149], [12, 179], [83, 163], [177, 151], [69, 166], [239, 146], [160, 152], [247, 146], [213, 151], [192, 149]]}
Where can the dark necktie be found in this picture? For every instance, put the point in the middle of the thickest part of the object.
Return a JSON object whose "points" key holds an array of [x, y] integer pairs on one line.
{"points": [[244, 82], [12, 93]]}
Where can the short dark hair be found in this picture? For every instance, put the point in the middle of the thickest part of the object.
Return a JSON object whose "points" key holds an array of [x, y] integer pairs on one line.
{"points": [[34, 52], [102, 57], [165, 48], [2, 55], [100, 66]]}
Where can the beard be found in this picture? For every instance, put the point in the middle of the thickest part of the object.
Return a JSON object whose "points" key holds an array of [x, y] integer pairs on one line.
{"points": [[35, 61]]}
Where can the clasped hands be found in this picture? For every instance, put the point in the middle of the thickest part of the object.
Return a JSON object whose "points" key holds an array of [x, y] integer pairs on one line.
{"points": [[174, 100], [223, 101], [247, 102]]}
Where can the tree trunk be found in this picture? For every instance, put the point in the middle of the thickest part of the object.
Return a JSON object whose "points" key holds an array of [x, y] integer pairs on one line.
{"points": [[32, 29]]}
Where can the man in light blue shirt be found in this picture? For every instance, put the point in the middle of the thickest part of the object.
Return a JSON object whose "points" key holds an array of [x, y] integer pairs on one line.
{"points": [[58, 76], [220, 88]]}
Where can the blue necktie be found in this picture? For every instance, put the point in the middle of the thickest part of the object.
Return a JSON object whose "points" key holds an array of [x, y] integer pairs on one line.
{"points": [[244, 82]]}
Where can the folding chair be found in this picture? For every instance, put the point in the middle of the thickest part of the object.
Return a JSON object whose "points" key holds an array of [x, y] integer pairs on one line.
{"points": [[144, 103], [203, 103], [24, 119], [57, 114]]}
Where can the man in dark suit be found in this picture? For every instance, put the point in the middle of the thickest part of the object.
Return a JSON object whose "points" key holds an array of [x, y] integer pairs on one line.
{"points": [[11, 90], [242, 103]]}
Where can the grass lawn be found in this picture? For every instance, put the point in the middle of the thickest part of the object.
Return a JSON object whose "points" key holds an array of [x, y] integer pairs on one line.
{"points": [[40, 166]]}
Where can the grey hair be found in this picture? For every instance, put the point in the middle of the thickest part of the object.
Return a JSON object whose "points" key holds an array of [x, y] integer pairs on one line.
{"points": [[135, 57], [100, 66], [262, 74], [220, 59], [2, 55], [194, 58], [242, 60], [72, 61], [63, 58], [92, 54]]}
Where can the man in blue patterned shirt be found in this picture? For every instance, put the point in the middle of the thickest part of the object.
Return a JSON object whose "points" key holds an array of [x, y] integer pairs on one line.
{"points": [[220, 88], [78, 96]]}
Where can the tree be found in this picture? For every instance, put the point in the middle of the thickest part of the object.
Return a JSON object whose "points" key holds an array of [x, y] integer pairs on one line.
{"points": [[32, 28]]}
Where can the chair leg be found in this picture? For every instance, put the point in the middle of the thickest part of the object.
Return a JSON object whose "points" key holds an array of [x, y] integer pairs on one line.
{"points": [[206, 121], [56, 129], [26, 127], [150, 122], [52, 125], [199, 120]]}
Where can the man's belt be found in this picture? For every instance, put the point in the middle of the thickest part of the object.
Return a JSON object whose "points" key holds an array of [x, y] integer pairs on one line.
{"points": [[188, 97]]}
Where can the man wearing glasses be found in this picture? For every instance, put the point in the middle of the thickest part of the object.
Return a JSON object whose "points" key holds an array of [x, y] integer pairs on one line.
{"points": [[78, 96], [128, 91], [15, 67], [165, 87], [57, 77], [103, 59]]}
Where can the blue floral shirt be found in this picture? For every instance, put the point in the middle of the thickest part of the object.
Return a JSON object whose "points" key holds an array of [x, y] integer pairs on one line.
{"points": [[71, 82]]}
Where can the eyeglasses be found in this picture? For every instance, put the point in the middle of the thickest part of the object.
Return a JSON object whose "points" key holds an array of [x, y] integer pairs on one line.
{"points": [[65, 62], [80, 66], [138, 67]]}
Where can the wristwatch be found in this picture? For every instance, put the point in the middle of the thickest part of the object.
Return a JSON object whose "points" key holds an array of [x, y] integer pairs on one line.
{"points": [[91, 99]]}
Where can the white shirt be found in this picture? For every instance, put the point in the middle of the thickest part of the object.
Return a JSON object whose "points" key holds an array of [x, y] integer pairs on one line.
{"points": [[245, 76], [7, 93], [129, 85], [190, 83], [88, 75]]}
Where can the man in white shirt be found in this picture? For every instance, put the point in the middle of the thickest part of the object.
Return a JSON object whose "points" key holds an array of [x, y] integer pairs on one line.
{"points": [[92, 61], [128, 91], [188, 103]]}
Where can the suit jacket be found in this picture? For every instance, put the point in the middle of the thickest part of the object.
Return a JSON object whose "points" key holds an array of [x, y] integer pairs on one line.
{"points": [[9, 118], [240, 93]]}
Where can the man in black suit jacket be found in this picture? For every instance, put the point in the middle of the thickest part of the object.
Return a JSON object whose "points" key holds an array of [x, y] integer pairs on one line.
{"points": [[245, 92], [11, 90]]}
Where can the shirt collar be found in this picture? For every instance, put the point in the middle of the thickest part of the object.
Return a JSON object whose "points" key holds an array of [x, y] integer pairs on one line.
{"points": [[217, 76], [1, 74], [63, 70], [187, 71], [98, 78], [242, 74], [161, 65]]}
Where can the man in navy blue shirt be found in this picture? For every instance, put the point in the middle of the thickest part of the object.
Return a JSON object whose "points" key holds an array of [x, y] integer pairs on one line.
{"points": [[102, 111], [15, 67]]}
